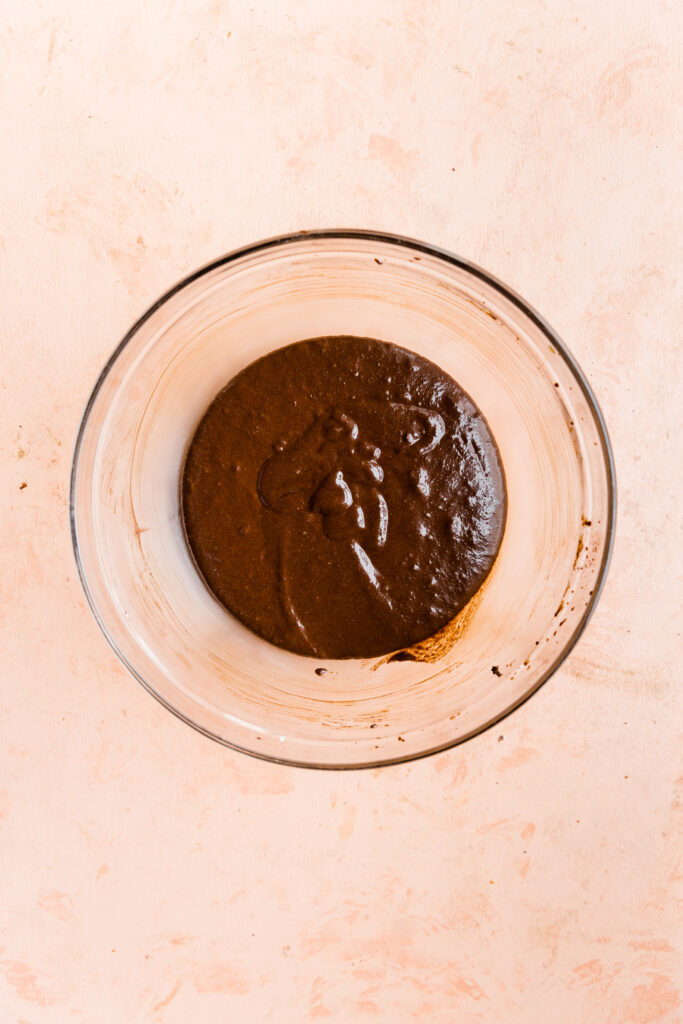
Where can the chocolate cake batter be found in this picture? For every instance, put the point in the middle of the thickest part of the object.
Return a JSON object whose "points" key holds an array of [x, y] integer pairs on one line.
{"points": [[343, 497]]}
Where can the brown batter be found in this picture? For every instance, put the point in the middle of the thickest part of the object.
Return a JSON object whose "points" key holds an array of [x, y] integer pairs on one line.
{"points": [[343, 497]]}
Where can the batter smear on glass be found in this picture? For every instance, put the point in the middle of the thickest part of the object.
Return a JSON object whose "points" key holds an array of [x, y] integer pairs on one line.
{"points": [[343, 497]]}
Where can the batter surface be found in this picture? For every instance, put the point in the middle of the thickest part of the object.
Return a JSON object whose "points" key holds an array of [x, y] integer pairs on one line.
{"points": [[343, 497]]}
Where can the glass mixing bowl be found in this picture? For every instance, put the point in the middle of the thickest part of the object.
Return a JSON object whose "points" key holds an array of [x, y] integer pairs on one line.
{"points": [[198, 660]]}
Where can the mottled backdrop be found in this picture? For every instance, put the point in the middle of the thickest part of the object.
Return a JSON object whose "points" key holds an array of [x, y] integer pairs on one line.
{"points": [[149, 875]]}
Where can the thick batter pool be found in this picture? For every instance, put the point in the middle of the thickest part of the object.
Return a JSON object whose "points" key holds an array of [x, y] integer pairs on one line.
{"points": [[343, 497]]}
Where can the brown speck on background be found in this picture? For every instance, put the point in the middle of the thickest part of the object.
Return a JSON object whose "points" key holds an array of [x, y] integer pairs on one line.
{"points": [[500, 739], [22, 485], [321, 671], [496, 671]]}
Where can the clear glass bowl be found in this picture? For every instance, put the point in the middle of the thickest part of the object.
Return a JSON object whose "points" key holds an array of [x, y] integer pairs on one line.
{"points": [[199, 661]]}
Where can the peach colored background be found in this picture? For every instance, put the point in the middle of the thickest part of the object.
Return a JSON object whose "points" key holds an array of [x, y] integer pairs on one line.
{"points": [[149, 875]]}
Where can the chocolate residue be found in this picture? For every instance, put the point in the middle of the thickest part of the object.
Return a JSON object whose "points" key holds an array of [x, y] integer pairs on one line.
{"points": [[403, 656], [579, 549]]}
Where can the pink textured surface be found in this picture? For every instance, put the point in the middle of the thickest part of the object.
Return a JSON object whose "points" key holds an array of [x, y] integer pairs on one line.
{"points": [[149, 875]]}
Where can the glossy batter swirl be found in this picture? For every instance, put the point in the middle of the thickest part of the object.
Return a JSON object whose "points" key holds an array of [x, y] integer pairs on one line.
{"points": [[343, 497]]}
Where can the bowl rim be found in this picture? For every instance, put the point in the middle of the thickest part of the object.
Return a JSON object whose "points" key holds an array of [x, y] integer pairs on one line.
{"points": [[452, 259]]}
